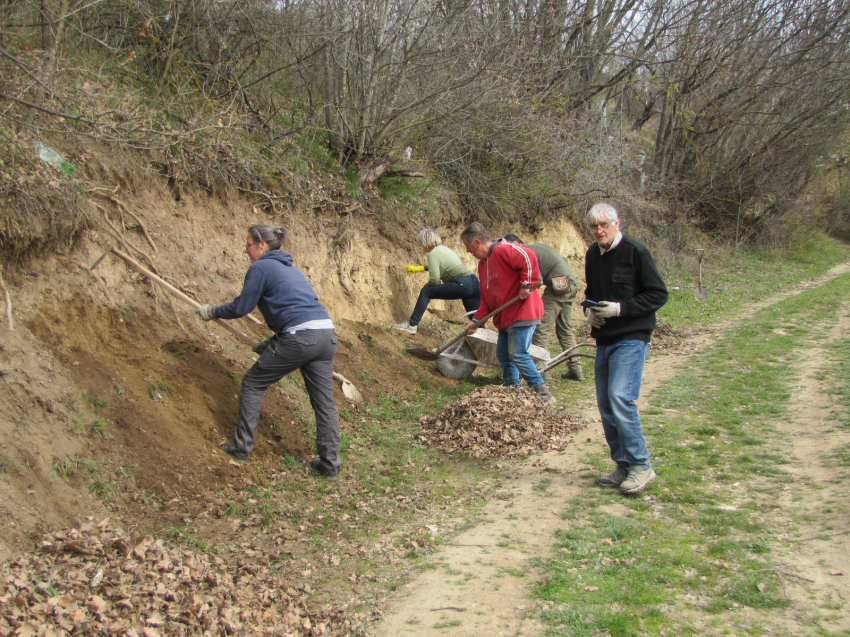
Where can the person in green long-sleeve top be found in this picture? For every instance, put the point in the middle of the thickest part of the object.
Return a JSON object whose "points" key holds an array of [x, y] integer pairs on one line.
{"points": [[448, 279]]}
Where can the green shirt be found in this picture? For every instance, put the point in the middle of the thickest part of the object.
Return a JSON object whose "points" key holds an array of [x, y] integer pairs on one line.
{"points": [[444, 266]]}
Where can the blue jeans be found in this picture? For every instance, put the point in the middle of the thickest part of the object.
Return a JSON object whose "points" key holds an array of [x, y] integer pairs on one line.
{"points": [[464, 287], [619, 370], [512, 352]]}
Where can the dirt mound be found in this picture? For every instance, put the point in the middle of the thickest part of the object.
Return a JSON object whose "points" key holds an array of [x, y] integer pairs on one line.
{"points": [[98, 580], [499, 422]]}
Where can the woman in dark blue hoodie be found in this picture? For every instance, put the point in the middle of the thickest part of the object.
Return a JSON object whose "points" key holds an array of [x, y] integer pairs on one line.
{"points": [[304, 339]]}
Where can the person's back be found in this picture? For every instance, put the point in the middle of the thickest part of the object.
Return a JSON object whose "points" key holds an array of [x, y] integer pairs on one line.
{"points": [[552, 264]]}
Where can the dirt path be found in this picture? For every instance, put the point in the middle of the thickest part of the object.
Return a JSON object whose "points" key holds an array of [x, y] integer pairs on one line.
{"points": [[819, 548], [479, 583]]}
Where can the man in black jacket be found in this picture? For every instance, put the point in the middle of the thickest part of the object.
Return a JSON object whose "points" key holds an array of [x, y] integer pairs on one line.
{"points": [[623, 280]]}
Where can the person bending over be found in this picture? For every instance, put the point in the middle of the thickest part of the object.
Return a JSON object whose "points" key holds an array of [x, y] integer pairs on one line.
{"points": [[449, 279], [304, 339]]}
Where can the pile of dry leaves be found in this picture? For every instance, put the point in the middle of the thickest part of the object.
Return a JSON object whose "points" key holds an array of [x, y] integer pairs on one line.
{"points": [[100, 581], [497, 421]]}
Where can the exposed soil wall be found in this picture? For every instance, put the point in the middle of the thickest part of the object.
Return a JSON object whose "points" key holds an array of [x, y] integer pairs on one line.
{"points": [[110, 346]]}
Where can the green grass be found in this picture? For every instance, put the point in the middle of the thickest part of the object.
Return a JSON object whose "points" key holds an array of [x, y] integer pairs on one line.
{"points": [[98, 427], [95, 402], [838, 381], [159, 390], [702, 538], [737, 279], [70, 467]]}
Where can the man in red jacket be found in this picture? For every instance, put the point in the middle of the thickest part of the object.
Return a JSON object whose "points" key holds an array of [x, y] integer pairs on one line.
{"points": [[506, 270]]}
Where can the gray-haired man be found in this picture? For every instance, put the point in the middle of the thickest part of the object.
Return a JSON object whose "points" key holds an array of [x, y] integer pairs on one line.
{"points": [[623, 280]]}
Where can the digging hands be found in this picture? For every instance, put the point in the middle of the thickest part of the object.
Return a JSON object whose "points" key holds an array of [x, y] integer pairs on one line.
{"points": [[413, 269], [470, 330], [206, 312]]}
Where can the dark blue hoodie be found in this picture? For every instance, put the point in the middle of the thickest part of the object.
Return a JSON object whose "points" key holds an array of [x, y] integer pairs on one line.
{"points": [[280, 290]]}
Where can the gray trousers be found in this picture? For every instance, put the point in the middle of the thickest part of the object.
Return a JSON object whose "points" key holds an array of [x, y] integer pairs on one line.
{"points": [[558, 311], [311, 351]]}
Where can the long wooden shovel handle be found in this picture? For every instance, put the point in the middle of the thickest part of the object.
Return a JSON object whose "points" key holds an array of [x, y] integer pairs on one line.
{"points": [[445, 346], [143, 270], [348, 387]]}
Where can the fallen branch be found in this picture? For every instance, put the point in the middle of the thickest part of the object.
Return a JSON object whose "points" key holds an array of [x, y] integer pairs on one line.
{"points": [[457, 608], [8, 302], [817, 537]]}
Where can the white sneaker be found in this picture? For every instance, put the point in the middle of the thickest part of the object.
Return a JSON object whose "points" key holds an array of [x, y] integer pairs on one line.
{"points": [[406, 327]]}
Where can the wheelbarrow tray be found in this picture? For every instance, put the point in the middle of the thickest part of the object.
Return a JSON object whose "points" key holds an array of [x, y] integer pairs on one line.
{"points": [[483, 345]]}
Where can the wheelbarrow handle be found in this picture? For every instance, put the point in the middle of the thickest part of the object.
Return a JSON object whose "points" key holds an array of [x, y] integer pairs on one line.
{"points": [[480, 322], [433, 354]]}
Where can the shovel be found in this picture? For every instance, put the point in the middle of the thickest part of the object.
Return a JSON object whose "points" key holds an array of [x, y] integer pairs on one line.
{"points": [[432, 355], [701, 291], [348, 388]]}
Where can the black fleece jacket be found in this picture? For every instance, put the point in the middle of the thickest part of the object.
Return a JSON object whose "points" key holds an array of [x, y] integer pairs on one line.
{"points": [[626, 275]]}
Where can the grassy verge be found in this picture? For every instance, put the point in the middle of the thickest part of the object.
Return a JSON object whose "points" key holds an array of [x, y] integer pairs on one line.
{"points": [[697, 553], [739, 278]]}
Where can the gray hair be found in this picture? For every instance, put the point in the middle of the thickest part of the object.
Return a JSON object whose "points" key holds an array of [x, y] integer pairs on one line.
{"points": [[475, 231], [602, 211], [272, 236], [429, 238]]}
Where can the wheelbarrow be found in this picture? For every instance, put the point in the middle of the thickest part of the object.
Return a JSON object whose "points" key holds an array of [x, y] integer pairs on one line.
{"points": [[461, 359]]}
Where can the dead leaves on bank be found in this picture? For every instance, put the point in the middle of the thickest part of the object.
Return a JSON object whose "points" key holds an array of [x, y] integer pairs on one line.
{"points": [[499, 422], [100, 581]]}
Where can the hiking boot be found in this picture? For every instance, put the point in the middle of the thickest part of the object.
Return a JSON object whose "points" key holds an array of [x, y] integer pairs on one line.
{"points": [[613, 479], [406, 327], [236, 457], [545, 394], [320, 468], [573, 374], [637, 481]]}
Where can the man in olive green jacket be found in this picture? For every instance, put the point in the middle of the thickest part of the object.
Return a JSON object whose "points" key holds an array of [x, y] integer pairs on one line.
{"points": [[558, 309]]}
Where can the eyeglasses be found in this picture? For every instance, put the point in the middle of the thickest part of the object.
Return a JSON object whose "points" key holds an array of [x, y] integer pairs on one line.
{"points": [[248, 245], [599, 226]]}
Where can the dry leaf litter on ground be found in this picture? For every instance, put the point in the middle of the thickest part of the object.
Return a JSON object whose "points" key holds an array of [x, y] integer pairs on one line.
{"points": [[99, 581], [499, 422]]}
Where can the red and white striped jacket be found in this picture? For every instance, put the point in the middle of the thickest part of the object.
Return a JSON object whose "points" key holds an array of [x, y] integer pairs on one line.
{"points": [[507, 268]]}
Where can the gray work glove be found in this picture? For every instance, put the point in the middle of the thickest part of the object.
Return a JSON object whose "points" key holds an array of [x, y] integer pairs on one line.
{"points": [[595, 321], [606, 309], [206, 312], [262, 346]]}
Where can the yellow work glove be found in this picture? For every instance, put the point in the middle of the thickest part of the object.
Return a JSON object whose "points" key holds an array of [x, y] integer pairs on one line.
{"points": [[413, 269]]}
